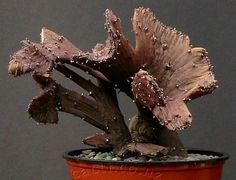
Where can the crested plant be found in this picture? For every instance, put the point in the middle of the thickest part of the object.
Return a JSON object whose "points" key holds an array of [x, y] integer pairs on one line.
{"points": [[160, 74]]}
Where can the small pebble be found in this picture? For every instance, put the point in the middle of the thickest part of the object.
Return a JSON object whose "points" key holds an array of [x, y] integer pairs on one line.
{"points": [[130, 159], [97, 157], [87, 151], [104, 155], [108, 158], [142, 158], [116, 159], [191, 159], [90, 155]]}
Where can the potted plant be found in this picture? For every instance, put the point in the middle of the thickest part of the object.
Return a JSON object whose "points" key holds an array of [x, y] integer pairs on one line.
{"points": [[161, 74]]}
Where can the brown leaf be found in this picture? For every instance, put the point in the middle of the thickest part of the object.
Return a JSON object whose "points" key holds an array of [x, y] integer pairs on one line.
{"points": [[147, 91], [68, 53], [181, 71], [101, 140], [147, 149], [32, 57], [114, 58], [61, 47], [42, 108], [174, 115]]}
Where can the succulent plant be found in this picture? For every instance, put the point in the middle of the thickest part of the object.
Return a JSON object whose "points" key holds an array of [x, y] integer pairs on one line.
{"points": [[161, 74]]}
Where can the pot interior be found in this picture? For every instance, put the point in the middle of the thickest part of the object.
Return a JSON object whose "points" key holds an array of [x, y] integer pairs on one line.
{"points": [[221, 157]]}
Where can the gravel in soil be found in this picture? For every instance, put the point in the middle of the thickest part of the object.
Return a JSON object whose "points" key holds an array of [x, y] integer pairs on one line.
{"points": [[107, 156]]}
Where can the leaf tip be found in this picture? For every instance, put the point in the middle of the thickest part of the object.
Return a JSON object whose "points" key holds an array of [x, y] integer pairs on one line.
{"points": [[14, 68]]}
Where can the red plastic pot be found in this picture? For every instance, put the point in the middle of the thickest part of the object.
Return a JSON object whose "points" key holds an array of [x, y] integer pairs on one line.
{"points": [[81, 169]]}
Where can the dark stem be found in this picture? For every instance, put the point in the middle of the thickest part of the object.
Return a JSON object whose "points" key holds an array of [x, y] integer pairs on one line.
{"points": [[78, 105], [145, 128], [120, 135], [76, 78], [110, 118]]}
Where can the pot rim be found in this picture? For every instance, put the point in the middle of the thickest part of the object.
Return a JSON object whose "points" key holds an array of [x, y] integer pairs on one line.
{"points": [[222, 157]]}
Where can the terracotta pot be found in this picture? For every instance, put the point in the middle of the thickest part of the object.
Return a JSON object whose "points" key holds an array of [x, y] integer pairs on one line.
{"points": [[81, 169]]}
